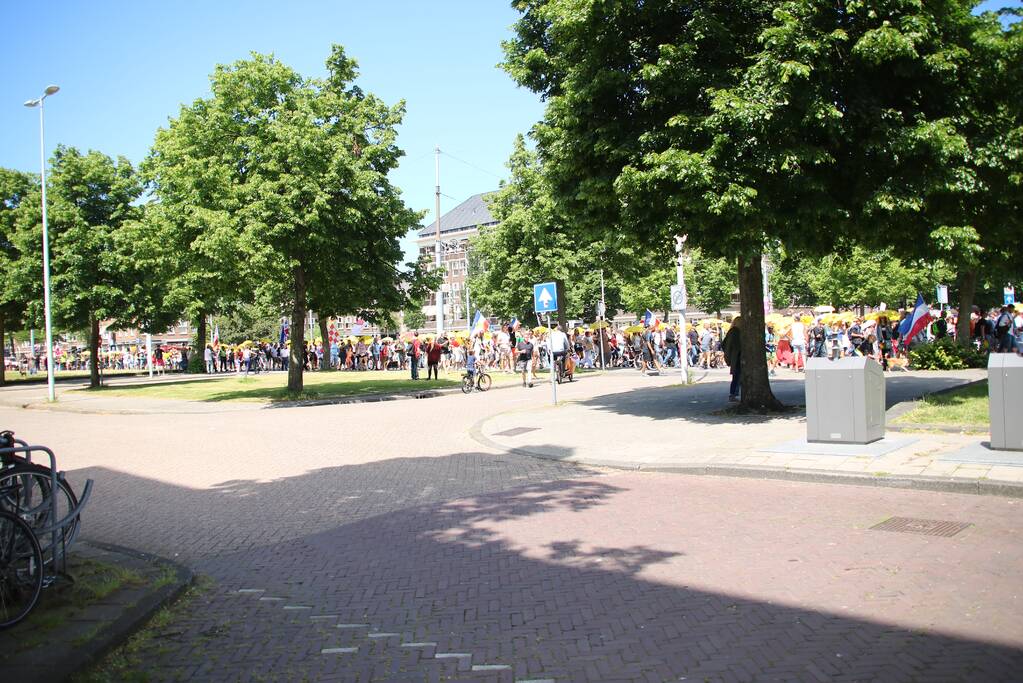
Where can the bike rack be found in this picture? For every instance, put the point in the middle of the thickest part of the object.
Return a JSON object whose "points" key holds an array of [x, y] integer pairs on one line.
{"points": [[55, 527]]}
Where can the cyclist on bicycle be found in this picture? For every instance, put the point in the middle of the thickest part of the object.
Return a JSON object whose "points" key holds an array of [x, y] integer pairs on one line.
{"points": [[558, 342], [470, 364]]}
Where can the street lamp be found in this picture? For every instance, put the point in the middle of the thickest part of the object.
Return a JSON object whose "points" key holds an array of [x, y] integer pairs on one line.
{"points": [[46, 242]]}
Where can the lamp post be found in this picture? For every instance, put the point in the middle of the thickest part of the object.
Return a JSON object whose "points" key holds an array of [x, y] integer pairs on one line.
{"points": [[46, 242]]}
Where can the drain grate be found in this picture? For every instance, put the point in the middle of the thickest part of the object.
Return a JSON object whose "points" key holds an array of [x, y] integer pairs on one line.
{"points": [[927, 527], [515, 431]]}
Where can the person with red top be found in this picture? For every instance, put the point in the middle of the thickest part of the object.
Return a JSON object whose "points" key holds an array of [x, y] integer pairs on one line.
{"points": [[433, 353], [413, 354]]}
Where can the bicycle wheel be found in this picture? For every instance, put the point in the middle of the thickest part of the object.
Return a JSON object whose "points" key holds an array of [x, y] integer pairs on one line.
{"points": [[466, 385], [21, 569], [26, 492], [483, 383]]}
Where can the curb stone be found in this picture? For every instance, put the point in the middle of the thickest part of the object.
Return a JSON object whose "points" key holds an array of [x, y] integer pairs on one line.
{"points": [[113, 621], [941, 484]]}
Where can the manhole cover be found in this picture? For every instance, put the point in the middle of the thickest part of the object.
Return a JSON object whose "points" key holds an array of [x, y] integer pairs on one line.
{"points": [[927, 527], [515, 431]]}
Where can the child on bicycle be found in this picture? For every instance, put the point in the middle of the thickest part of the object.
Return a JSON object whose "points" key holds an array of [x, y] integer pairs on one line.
{"points": [[470, 363]]}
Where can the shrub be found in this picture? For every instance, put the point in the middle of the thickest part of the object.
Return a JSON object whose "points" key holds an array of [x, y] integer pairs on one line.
{"points": [[945, 354], [196, 363]]}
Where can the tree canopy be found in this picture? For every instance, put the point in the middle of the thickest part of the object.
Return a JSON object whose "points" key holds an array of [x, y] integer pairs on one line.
{"points": [[744, 124], [288, 176]]}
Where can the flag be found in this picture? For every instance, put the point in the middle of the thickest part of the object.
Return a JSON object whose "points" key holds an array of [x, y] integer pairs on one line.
{"points": [[515, 324], [285, 330], [216, 336], [916, 323], [332, 334], [359, 325], [650, 320], [479, 323]]}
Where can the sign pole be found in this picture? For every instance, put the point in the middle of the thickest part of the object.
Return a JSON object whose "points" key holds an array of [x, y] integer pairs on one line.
{"points": [[554, 368]]}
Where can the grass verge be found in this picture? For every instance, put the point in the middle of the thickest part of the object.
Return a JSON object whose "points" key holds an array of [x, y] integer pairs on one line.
{"points": [[93, 582], [272, 388], [967, 406]]}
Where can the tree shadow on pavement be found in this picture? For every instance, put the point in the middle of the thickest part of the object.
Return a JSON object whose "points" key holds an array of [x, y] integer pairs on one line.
{"points": [[708, 402], [418, 552]]}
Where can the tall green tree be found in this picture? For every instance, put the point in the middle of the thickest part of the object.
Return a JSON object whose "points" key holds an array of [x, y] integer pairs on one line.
{"points": [[710, 282], [741, 123], [979, 218], [533, 242], [15, 189], [91, 198], [292, 174]]}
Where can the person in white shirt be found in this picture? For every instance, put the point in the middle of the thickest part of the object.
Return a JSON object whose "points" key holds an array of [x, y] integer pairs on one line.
{"points": [[558, 342], [797, 335]]}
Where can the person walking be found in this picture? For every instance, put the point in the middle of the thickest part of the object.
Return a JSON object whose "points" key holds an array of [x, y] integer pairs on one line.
{"points": [[526, 357], [732, 348], [208, 357]]}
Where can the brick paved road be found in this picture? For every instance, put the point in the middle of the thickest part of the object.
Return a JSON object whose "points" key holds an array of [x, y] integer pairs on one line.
{"points": [[379, 542]]}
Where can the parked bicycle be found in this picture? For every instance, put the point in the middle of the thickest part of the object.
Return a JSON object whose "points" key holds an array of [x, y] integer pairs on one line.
{"points": [[39, 520]]}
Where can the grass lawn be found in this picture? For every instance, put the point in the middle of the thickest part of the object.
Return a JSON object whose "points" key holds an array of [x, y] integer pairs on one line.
{"points": [[12, 376], [966, 406], [273, 387]]}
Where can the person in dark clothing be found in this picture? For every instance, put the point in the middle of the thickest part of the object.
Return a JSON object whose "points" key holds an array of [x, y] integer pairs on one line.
{"points": [[733, 356], [884, 339], [941, 326]]}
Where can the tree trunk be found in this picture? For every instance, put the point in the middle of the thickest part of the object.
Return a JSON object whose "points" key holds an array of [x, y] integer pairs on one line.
{"points": [[3, 350], [967, 291], [296, 355], [93, 353], [201, 341], [325, 362], [756, 386]]}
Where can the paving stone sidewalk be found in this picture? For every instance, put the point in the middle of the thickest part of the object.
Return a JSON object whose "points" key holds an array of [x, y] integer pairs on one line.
{"points": [[677, 428]]}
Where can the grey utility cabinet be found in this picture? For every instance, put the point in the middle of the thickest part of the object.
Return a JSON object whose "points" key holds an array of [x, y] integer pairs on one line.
{"points": [[845, 400], [1005, 394]]}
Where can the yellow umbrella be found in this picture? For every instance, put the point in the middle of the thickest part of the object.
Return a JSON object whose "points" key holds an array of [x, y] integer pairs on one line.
{"points": [[634, 329], [599, 325], [712, 321], [540, 329], [387, 339]]}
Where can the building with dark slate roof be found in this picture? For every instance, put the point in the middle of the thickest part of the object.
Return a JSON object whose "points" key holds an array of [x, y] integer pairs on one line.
{"points": [[456, 227]]}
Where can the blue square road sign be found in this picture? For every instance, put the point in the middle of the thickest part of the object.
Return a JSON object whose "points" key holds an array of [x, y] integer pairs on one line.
{"points": [[545, 297]]}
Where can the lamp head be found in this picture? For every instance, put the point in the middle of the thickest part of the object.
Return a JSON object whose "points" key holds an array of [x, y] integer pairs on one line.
{"points": [[52, 89]]}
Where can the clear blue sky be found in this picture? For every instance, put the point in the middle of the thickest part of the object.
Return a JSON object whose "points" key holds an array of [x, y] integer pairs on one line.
{"points": [[125, 67]]}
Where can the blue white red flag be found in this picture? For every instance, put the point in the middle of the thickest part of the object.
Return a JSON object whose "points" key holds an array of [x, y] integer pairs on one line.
{"points": [[920, 319], [515, 324], [650, 320], [285, 330], [479, 323]]}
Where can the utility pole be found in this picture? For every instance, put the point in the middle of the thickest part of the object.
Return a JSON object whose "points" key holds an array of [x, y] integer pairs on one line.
{"points": [[436, 207], [603, 318], [683, 337]]}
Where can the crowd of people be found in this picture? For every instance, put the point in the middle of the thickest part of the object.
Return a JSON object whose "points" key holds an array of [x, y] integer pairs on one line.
{"points": [[789, 339]]}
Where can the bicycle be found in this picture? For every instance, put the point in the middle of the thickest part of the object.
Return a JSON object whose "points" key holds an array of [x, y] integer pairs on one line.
{"points": [[481, 382], [21, 569]]}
